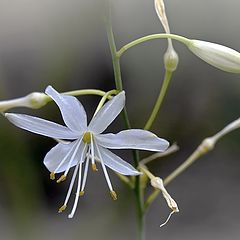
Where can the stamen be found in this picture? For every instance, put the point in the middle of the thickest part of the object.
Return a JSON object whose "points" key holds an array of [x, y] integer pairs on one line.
{"points": [[94, 167], [62, 208], [85, 173], [113, 195], [79, 183], [72, 157], [52, 176], [71, 184], [104, 170], [77, 193], [92, 151], [61, 179]]}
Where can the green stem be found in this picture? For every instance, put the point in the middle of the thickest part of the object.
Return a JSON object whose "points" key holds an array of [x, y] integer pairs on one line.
{"points": [[181, 39], [32, 101], [119, 86], [159, 101], [104, 98]]}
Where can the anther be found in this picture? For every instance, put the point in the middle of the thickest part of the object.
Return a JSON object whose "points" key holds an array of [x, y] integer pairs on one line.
{"points": [[62, 208], [94, 167], [61, 179], [52, 176], [81, 193], [113, 195]]}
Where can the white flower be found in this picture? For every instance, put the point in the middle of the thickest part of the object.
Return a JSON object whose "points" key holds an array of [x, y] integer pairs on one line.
{"points": [[216, 55], [88, 142]]}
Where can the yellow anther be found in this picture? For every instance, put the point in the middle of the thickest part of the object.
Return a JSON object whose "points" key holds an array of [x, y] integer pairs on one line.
{"points": [[81, 193], [62, 208], [87, 137], [113, 195], [94, 167], [61, 179], [52, 176]]}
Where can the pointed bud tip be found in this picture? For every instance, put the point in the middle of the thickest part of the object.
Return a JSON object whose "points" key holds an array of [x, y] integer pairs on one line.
{"points": [[219, 56]]}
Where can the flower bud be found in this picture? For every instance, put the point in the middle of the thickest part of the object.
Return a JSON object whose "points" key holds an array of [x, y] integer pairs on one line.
{"points": [[171, 59], [35, 100], [219, 56], [32, 100]]}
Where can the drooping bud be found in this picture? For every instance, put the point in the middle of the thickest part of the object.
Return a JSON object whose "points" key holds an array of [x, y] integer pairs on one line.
{"points": [[217, 55], [170, 57], [157, 182]]}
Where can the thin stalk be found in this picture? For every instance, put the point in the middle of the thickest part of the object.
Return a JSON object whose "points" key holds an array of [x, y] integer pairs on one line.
{"points": [[119, 86], [201, 150], [181, 39], [38, 100], [158, 104]]}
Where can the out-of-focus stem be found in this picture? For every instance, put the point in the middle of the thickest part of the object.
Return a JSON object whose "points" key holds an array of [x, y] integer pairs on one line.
{"points": [[158, 104]]}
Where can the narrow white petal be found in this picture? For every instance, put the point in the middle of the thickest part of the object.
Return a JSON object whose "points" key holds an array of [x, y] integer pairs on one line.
{"points": [[133, 139], [107, 113], [58, 153], [73, 112], [41, 126], [116, 163]]}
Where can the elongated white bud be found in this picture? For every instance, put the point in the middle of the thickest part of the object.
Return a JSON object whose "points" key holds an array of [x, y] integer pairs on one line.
{"points": [[217, 55], [32, 100]]}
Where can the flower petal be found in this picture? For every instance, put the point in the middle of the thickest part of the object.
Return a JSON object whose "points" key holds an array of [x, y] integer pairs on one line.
{"points": [[54, 157], [41, 126], [73, 112], [133, 139], [116, 163], [107, 113]]}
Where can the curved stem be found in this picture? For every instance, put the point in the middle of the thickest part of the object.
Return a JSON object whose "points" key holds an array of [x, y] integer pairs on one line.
{"points": [[158, 104], [104, 98], [181, 39], [37, 100]]}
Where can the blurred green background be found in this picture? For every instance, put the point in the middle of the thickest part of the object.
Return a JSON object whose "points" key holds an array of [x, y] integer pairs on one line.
{"points": [[64, 44]]}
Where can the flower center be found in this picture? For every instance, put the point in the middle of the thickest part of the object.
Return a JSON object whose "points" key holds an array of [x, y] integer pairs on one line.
{"points": [[87, 137]]}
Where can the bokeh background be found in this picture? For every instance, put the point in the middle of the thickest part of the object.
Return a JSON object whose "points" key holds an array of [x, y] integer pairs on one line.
{"points": [[63, 43]]}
